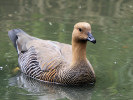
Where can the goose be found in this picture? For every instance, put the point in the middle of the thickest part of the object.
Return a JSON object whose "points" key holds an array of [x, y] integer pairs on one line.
{"points": [[55, 62]]}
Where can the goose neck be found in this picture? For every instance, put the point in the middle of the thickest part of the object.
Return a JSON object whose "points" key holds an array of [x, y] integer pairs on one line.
{"points": [[78, 51]]}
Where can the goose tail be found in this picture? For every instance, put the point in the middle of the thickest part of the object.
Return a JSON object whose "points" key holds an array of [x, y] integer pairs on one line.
{"points": [[13, 36]]}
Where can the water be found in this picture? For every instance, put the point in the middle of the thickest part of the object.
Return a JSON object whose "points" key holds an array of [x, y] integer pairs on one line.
{"points": [[111, 57]]}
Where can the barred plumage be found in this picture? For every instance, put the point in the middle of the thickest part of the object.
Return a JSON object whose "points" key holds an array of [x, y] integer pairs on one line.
{"points": [[53, 61], [30, 66]]}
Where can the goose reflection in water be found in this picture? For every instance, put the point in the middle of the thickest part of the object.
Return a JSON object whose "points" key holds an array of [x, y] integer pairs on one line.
{"points": [[50, 91]]}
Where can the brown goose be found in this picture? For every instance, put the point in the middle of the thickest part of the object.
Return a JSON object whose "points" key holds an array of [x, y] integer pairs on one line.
{"points": [[51, 61]]}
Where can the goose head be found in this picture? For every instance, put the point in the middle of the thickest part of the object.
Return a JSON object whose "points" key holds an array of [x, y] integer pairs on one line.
{"points": [[82, 33]]}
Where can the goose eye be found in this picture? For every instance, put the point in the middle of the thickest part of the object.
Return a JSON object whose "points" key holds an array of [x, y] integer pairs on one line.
{"points": [[80, 29]]}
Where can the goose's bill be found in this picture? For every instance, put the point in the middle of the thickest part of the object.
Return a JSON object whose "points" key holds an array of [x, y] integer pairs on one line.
{"points": [[91, 38]]}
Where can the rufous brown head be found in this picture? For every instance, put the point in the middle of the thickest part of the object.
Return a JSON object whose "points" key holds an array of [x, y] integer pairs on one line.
{"points": [[82, 32]]}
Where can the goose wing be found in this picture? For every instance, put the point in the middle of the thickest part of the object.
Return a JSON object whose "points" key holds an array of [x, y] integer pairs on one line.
{"points": [[47, 54]]}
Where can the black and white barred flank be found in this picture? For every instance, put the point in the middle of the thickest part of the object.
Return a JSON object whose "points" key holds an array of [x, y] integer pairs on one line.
{"points": [[29, 64]]}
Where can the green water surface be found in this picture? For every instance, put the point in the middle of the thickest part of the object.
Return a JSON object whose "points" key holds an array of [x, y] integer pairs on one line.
{"points": [[111, 56]]}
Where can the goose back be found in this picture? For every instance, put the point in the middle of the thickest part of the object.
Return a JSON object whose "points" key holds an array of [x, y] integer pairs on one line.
{"points": [[38, 58]]}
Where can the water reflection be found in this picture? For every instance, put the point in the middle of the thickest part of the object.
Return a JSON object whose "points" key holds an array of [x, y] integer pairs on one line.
{"points": [[67, 11], [50, 91]]}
